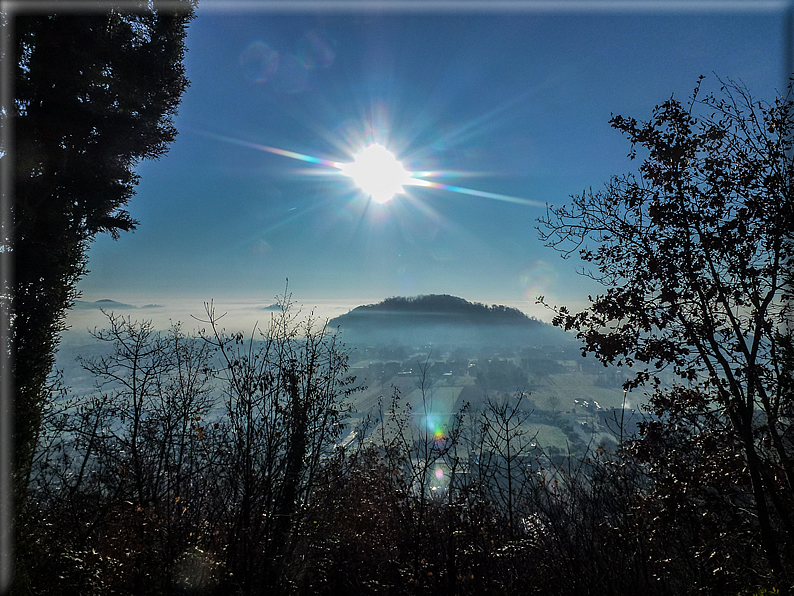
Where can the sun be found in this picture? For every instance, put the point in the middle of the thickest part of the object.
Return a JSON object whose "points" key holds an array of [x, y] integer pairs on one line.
{"points": [[376, 171]]}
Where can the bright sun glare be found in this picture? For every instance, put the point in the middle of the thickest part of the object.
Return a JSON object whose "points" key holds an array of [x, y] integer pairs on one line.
{"points": [[377, 172]]}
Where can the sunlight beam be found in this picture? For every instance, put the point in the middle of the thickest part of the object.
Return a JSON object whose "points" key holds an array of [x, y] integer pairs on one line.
{"points": [[377, 172], [276, 150], [474, 193]]}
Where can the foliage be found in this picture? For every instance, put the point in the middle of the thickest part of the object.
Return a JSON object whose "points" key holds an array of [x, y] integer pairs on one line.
{"points": [[93, 95], [124, 467], [693, 254], [501, 375]]}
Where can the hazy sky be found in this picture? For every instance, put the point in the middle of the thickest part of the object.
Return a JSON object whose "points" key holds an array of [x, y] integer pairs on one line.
{"points": [[513, 103]]}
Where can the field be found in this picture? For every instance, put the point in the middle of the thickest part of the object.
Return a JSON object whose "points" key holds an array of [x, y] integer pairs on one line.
{"points": [[563, 405]]}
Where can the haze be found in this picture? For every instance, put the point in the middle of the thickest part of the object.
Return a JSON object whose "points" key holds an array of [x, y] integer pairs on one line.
{"points": [[511, 104]]}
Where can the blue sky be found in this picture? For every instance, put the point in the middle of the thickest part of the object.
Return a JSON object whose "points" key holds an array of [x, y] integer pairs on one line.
{"points": [[514, 103]]}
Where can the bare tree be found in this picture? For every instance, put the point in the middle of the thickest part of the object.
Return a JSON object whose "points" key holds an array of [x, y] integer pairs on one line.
{"points": [[130, 451], [284, 413], [505, 453], [693, 254]]}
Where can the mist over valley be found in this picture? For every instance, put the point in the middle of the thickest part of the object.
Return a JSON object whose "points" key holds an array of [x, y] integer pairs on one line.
{"points": [[439, 355]]}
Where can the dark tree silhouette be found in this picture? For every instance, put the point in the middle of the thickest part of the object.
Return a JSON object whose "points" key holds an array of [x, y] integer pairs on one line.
{"points": [[124, 469], [94, 94], [505, 450], [693, 253], [284, 413], [196, 462]]}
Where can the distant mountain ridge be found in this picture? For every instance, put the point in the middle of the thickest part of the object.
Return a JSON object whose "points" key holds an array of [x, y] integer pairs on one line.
{"points": [[439, 318], [109, 305]]}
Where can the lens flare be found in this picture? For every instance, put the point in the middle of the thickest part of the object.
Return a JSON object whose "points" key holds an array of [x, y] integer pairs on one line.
{"points": [[538, 279], [259, 62], [475, 193], [316, 50], [436, 427], [380, 175]]}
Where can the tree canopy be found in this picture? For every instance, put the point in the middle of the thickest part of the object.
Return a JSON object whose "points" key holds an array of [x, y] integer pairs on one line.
{"points": [[94, 94], [692, 251]]}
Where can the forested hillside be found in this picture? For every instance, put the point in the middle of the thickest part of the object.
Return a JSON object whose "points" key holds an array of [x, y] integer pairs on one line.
{"points": [[443, 319]]}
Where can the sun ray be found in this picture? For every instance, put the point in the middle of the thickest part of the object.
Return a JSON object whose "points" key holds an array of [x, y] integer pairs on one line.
{"points": [[447, 174], [369, 169], [275, 150], [475, 193]]}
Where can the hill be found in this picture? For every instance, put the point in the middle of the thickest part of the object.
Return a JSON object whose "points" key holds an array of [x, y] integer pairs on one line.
{"points": [[442, 319], [109, 305], [105, 303]]}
